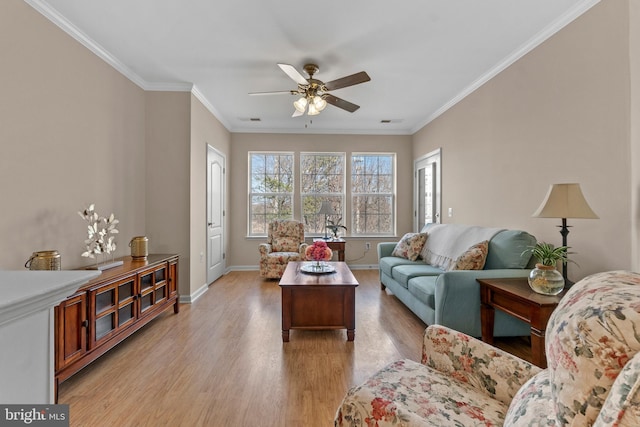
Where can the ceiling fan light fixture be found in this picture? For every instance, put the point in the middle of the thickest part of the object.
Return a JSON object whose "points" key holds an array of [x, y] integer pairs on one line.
{"points": [[313, 110], [300, 104], [319, 103]]}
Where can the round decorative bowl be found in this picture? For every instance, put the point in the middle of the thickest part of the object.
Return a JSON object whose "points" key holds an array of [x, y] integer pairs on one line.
{"points": [[546, 280], [317, 267]]}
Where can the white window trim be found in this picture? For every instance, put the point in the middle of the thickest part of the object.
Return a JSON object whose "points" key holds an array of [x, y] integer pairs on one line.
{"points": [[393, 195], [344, 183], [250, 193]]}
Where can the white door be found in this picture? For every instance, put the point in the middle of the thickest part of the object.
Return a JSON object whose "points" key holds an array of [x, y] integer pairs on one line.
{"points": [[215, 214], [427, 190]]}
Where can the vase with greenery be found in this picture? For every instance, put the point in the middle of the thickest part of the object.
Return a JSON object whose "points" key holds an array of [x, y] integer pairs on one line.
{"points": [[334, 227], [545, 278]]}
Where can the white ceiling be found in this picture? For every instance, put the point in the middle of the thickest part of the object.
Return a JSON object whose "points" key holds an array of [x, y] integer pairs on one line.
{"points": [[422, 55]]}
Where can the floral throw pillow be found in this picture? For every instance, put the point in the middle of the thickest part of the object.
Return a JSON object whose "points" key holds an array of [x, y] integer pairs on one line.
{"points": [[410, 246], [473, 259]]}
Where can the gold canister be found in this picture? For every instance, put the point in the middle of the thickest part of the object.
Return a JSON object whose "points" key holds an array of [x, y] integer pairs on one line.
{"points": [[139, 248], [44, 260]]}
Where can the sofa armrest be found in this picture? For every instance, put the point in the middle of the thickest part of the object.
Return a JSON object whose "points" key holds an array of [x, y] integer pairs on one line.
{"points": [[302, 249], [620, 407], [484, 367], [386, 248], [265, 249], [458, 292]]}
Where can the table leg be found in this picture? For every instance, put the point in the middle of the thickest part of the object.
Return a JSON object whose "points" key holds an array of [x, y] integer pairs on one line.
{"points": [[537, 348], [286, 313], [487, 319]]}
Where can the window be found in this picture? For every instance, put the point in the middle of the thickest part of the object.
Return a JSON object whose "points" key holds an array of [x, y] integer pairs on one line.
{"points": [[322, 179], [270, 189], [427, 190], [372, 194]]}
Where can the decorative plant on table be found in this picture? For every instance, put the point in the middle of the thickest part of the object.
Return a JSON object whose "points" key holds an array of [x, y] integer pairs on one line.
{"points": [[334, 226], [101, 232], [545, 278], [318, 252]]}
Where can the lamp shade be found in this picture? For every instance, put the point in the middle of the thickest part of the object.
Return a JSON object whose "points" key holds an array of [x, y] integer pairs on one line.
{"points": [[312, 111], [326, 209], [565, 201], [300, 104], [319, 103]]}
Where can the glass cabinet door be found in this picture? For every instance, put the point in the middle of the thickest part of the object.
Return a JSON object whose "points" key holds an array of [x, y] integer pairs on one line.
{"points": [[111, 306], [154, 287]]}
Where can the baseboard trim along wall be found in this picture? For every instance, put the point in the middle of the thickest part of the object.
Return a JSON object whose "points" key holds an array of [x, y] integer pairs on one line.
{"points": [[189, 299]]}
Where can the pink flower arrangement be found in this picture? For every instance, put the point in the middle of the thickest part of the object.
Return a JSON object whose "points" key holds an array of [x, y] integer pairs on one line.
{"points": [[318, 251]]}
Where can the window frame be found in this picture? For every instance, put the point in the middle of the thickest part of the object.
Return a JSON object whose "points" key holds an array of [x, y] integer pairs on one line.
{"points": [[392, 194], [251, 194], [322, 196]]}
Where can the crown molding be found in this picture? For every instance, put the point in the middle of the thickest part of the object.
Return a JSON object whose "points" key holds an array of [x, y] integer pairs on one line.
{"points": [[200, 97], [54, 16], [312, 131], [527, 47]]}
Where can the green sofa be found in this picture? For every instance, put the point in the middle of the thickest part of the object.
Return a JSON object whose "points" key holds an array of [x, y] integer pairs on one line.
{"points": [[452, 298]]}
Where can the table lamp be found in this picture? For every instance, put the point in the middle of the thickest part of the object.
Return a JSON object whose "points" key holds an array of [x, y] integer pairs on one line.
{"points": [[564, 201], [326, 209]]}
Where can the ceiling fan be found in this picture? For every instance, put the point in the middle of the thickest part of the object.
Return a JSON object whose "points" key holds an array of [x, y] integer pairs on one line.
{"points": [[314, 94]]}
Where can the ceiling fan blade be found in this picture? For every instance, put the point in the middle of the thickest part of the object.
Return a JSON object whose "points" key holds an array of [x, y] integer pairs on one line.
{"points": [[340, 103], [280, 92], [294, 74], [351, 80], [297, 113]]}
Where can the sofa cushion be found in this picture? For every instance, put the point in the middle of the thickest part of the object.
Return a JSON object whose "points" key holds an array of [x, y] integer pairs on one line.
{"points": [[388, 263], [410, 246], [506, 248], [411, 394], [424, 289], [473, 259], [404, 273]]}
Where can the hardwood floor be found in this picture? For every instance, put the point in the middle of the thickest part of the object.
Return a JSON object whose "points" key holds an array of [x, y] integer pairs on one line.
{"points": [[221, 361]]}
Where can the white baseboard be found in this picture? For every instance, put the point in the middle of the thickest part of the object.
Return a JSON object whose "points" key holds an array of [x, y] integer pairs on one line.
{"points": [[189, 299], [244, 268]]}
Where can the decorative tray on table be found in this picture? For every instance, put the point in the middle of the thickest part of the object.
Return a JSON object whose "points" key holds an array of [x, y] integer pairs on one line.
{"points": [[317, 268]]}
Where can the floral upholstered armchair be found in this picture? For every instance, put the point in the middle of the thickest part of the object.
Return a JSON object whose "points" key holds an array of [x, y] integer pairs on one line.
{"points": [[285, 242], [593, 378]]}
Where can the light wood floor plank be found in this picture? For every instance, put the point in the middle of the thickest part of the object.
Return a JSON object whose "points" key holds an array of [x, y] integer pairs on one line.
{"points": [[221, 361]]}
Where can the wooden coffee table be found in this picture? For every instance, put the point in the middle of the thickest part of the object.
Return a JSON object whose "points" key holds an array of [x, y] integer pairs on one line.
{"points": [[318, 301]]}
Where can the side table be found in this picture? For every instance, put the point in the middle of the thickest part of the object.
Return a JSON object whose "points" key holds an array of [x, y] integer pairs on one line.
{"points": [[337, 246], [515, 297]]}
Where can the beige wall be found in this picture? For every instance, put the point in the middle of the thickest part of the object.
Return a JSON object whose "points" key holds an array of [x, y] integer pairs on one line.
{"points": [[167, 191], [634, 55], [72, 132], [244, 251], [559, 114], [205, 129], [75, 131]]}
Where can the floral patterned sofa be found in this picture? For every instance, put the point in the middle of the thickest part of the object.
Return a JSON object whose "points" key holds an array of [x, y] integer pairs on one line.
{"points": [[285, 242], [592, 344]]}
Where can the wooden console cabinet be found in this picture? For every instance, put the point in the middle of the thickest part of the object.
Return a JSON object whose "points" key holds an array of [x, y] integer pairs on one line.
{"points": [[108, 309]]}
